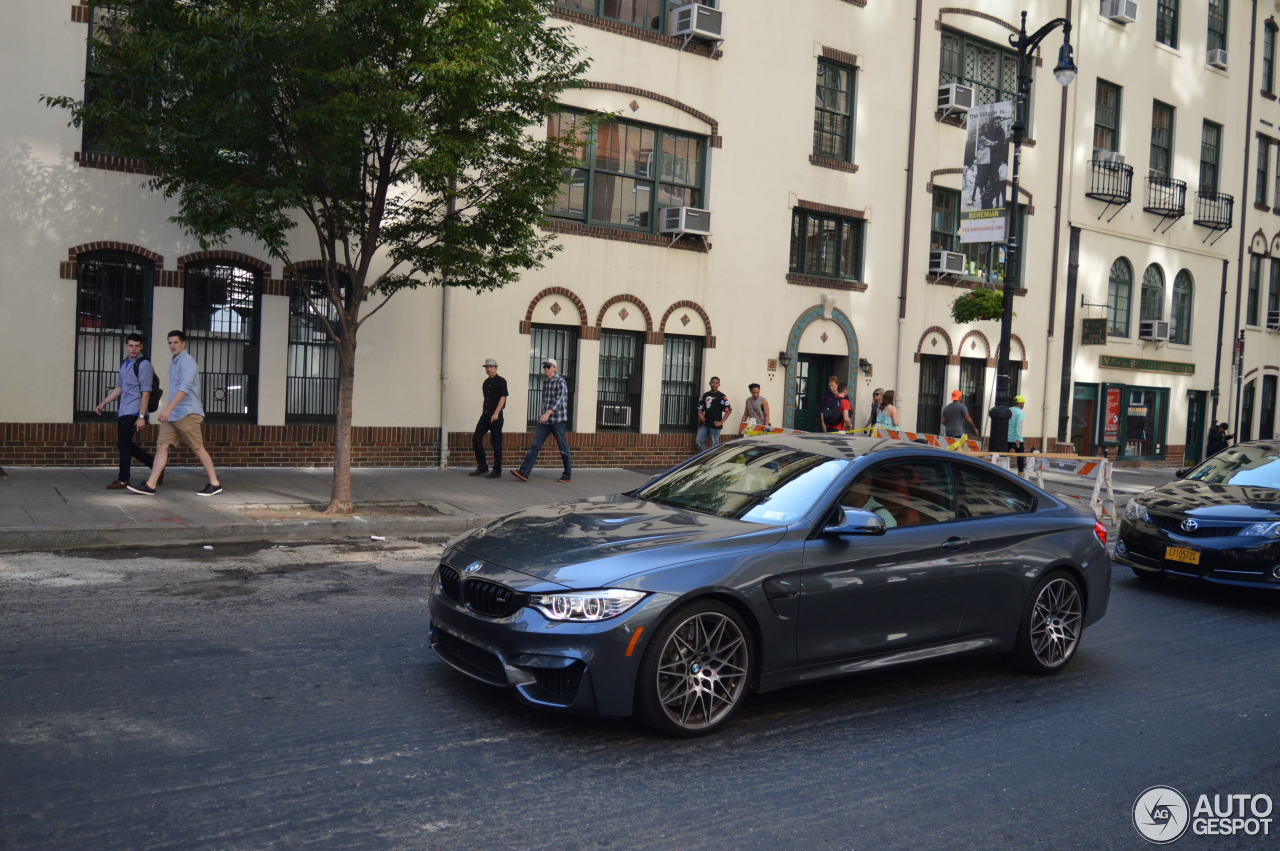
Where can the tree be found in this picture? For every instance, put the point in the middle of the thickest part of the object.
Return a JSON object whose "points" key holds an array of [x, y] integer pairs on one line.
{"points": [[404, 133]]}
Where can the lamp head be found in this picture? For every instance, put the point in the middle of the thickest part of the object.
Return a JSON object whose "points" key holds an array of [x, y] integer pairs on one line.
{"points": [[1065, 71]]}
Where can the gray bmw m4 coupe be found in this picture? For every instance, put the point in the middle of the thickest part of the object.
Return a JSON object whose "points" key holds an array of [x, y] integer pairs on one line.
{"points": [[765, 562]]}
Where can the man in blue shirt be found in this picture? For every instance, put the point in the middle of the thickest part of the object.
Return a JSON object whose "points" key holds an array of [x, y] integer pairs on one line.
{"points": [[1016, 443], [181, 418], [133, 389], [553, 421]]}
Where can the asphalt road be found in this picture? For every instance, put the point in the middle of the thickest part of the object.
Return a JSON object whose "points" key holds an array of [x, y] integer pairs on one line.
{"points": [[251, 698]]}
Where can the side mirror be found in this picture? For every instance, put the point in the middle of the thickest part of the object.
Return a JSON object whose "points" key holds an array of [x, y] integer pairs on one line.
{"points": [[854, 521], [1179, 474]]}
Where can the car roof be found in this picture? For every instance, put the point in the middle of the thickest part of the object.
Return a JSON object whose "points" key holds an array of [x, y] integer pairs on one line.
{"points": [[842, 445]]}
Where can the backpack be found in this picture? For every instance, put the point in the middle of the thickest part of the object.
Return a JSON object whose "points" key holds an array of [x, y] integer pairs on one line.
{"points": [[832, 412], [153, 401]]}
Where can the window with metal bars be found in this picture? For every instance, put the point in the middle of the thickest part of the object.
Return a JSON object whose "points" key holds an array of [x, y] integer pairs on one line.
{"points": [[825, 245], [1161, 139], [222, 316], [992, 72], [644, 14], [627, 172], [620, 383], [681, 382], [311, 383], [561, 343], [1167, 22], [1180, 316], [973, 387], [1119, 292], [1106, 117], [933, 376], [833, 111], [113, 300], [1217, 29]]}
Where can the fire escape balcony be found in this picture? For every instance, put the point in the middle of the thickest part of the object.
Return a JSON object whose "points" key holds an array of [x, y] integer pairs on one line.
{"points": [[1110, 181]]}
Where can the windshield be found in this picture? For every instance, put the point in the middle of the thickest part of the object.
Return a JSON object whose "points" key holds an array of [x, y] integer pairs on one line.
{"points": [[753, 482], [1254, 466]]}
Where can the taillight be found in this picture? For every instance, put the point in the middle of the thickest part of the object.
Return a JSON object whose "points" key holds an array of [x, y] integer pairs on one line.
{"points": [[1100, 532]]}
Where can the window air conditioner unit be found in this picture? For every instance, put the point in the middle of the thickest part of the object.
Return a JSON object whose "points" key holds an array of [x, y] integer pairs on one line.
{"points": [[1156, 330], [697, 20], [946, 263], [679, 220], [953, 97], [1120, 11], [1217, 58], [1273, 320], [1110, 157]]}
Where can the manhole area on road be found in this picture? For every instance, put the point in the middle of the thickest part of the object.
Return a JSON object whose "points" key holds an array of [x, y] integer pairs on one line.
{"points": [[315, 511]]}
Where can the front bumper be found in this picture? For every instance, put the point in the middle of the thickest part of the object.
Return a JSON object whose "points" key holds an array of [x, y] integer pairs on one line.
{"points": [[1228, 560], [576, 666]]}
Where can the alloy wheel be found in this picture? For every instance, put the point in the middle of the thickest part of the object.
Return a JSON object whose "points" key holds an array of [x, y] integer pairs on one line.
{"points": [[702, 670], [1055, 622]]}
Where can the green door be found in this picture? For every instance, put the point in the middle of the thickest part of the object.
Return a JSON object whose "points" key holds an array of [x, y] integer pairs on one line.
{"points": [[1196, 400], [1143, 418], [811, 384]]}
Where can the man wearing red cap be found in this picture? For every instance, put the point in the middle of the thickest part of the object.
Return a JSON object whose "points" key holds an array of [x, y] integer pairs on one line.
{"points": [[956, 416]]}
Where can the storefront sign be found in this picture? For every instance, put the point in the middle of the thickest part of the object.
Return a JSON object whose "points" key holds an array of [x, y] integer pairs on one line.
{"points": [[1111, 419], [1093, 332], [1145, 365]]}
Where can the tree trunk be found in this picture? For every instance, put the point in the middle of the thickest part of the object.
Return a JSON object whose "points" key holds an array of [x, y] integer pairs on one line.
{"points": [[340, 495]]}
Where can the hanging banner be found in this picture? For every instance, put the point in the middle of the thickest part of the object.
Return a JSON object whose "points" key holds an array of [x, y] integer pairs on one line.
{"points": [[986, 167], [1111, 416]]}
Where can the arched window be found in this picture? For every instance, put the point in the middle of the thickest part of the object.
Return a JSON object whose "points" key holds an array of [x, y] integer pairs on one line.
{"points": [[311, 384], [113, 300], [1152, 293], [221, 315], [1183, 292], [1119, 293]]}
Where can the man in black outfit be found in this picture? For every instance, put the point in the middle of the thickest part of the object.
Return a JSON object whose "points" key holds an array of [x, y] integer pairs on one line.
{"points": [[495, 399]]}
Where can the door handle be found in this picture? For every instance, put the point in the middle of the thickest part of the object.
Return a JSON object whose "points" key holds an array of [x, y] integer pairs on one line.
{"points": [[955, 543]]}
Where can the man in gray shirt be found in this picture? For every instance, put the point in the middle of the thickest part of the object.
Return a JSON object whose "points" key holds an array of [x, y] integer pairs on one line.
{"points": [[956, 416], [180, 420]]}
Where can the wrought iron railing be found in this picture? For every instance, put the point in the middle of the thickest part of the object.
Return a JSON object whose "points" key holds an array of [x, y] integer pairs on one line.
{"points": [[1213, 210], [1110, 181], [1166, 196]]}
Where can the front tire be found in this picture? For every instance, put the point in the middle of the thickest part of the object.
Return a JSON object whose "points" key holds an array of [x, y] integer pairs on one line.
{"points": [[694, 674], [1051, 625]]}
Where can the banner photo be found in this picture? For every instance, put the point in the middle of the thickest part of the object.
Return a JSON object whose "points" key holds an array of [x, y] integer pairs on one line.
{"points": [[986, 167]]}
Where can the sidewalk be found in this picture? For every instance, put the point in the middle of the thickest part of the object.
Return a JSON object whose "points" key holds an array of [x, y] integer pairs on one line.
{"points": [[58, 508]]}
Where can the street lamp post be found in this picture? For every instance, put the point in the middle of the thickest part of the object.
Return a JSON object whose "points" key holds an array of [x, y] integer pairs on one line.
{"points": [[1064, 72]]}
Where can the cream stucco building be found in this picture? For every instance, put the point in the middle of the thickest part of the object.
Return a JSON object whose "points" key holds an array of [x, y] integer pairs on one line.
{"points": [[812, 133]]}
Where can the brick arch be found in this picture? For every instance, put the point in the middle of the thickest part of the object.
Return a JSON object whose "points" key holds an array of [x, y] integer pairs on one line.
{"points": [[978, 335], [313, 264], [953, 10], [233, 256], [803, 321], [1014, 338], [67, 270], [585, 331], [711, 123], [696, 308], [932, 329], [629, 299], [1258, 243]]}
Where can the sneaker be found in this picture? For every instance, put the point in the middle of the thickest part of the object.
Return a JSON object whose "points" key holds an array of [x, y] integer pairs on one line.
{"points": [[496, 474], [143, 489], [564, 480], [117, 486], [209, 490], [478, 473], [519, 475]]}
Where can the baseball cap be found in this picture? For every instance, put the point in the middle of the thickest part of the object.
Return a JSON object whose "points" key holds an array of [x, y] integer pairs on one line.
{"points": [[490, 362], [550, 362], [1020, 399], [956, 395]]}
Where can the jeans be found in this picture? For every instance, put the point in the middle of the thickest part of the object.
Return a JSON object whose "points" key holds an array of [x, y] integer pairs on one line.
{"points": [[494, 428], [557, 430], [1019, 446], [129, 449], [708, 434]]}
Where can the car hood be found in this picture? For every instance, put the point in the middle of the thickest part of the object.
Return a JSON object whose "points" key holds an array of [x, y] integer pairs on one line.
{"points": [[1220, 502], [590, 543]]}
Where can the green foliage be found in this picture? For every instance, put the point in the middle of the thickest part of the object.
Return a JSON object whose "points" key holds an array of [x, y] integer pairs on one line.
{"points": [[403, 130], [977, 304]]}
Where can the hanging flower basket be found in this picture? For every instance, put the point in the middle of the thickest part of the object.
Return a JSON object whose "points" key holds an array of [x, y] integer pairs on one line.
{"points": [[977, 304]]}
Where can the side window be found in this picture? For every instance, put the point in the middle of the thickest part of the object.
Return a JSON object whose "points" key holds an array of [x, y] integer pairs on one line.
{"points": [[904, 494], [983, 494]]}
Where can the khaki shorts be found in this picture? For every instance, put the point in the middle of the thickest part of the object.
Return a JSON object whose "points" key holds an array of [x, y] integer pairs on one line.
{"points": [[185, 430]]}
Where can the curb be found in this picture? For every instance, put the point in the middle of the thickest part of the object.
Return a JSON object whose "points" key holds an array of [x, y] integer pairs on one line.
{"points": [[328, 529]]}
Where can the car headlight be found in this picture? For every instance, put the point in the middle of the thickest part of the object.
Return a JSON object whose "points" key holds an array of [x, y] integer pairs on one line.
{"points": [[587, 605], [1262, 530], [1137, 511]]}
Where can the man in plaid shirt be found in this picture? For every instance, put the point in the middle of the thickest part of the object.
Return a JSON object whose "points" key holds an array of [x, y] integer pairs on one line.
{"points": [[553, 421]]}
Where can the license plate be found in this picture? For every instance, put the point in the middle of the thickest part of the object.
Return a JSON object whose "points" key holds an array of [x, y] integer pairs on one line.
{"points": [[1185, 555]]}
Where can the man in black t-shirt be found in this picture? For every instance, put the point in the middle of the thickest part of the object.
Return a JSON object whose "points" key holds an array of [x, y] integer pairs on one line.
{"points": [[713, 409], [955, 418], [495, 399]]}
